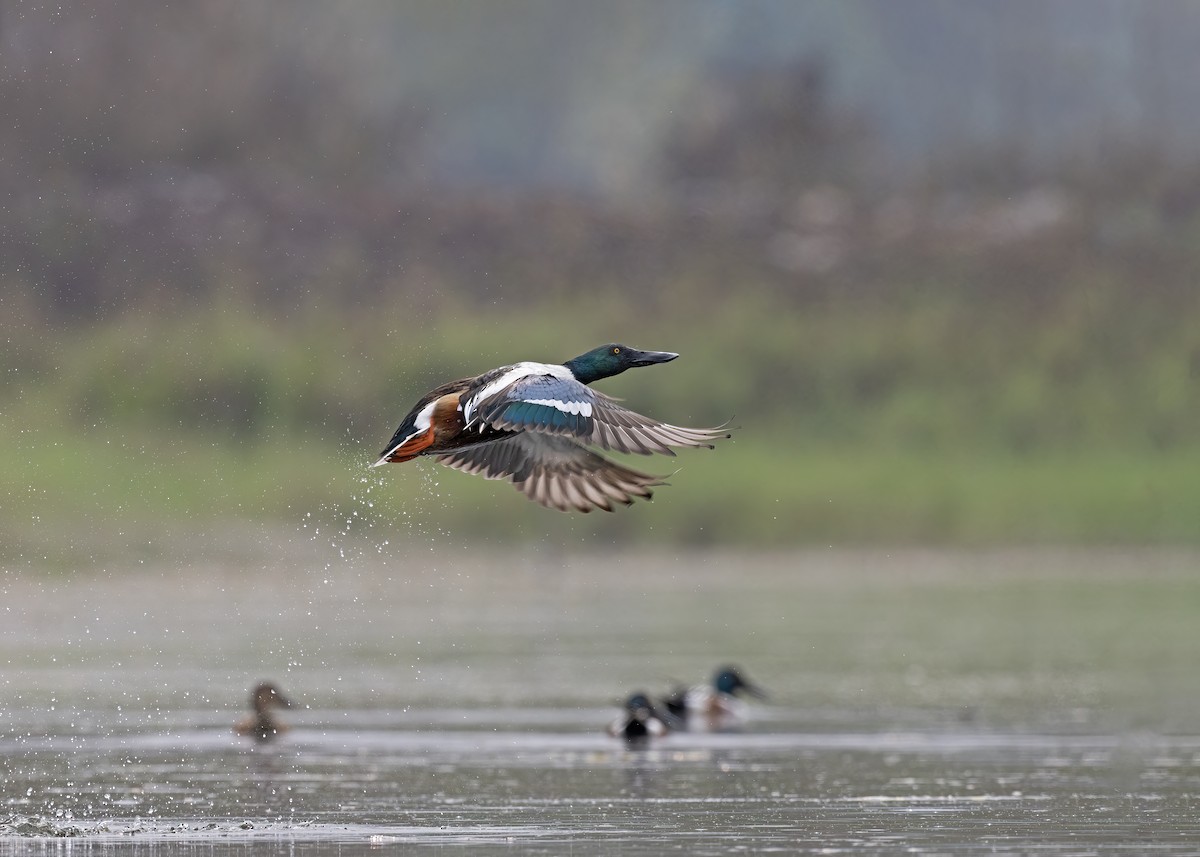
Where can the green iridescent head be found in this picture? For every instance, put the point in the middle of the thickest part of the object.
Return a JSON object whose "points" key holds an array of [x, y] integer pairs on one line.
{"points": [[613, 359]]}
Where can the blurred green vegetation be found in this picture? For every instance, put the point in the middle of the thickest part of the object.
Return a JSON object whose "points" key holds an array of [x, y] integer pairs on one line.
{"points": [[220, 294], [939, 420]]}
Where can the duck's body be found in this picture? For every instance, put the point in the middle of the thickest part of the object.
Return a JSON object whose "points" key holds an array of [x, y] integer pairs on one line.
{"points": [[713, 707], [639, 721], [531, 423], [261, 725]]}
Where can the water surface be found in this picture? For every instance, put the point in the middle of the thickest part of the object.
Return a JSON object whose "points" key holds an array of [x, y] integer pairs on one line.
{"points": [[922, 702]]}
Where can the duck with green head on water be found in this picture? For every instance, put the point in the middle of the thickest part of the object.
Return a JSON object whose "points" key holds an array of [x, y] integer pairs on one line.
{"points": [[532, 423], [639, 721], [715, 706]]}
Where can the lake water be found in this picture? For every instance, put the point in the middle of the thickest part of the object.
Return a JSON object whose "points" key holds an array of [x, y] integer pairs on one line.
{"points": [[1002, 702]]}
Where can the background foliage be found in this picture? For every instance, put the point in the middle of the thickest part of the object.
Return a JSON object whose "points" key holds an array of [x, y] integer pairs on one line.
{"points": [[230, 265]]}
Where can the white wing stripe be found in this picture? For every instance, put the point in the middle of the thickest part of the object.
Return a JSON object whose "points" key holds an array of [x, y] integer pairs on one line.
{"points": [[581, 408]]}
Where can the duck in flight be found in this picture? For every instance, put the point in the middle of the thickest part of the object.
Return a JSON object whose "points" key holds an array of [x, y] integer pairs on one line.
{"points": [[532, 423]]}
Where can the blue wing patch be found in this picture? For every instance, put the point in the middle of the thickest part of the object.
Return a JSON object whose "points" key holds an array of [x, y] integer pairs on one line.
{"points": [[544, 403], [544, 416]]}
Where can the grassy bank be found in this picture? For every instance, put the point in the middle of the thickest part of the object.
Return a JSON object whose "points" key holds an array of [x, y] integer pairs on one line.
{"points": [[102, 495], [933, 422]]}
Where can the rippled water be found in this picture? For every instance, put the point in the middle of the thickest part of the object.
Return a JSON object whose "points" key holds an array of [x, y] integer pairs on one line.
{"points": [[921, 703]]}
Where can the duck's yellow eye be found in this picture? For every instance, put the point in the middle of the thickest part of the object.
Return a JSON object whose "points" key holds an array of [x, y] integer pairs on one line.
{"points": [[616, 351]]}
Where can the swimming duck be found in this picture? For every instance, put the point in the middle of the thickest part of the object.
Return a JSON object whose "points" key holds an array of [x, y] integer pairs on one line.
{"points": [[262, 725], [531, 424], [639, 721], [714, 706]]}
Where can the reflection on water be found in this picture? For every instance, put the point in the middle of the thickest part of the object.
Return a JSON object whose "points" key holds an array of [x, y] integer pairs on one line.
{"points": [[920, 703]]}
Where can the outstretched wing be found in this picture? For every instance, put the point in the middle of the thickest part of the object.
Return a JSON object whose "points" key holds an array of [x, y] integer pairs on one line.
{"points": [[617, 427], [557, 406], [554, 471]]}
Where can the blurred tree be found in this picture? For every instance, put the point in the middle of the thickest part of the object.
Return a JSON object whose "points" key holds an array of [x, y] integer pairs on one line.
{"points": [[770, 127]]}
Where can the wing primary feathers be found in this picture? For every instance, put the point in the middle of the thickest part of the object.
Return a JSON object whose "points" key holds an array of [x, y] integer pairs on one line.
{"points": [[539, 399], [556, 472]]}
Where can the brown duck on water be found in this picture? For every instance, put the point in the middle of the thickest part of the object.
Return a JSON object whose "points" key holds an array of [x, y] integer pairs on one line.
{"points": [[262, 725]]}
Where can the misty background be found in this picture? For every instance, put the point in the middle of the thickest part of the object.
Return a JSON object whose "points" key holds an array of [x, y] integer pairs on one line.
{"points": [[937, 260]]}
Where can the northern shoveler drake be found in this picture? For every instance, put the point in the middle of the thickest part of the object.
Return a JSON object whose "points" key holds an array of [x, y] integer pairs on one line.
{"points": [[262, 725], [532, 423], [716, 706], [639, 721]]}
